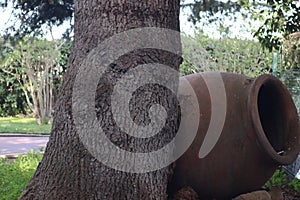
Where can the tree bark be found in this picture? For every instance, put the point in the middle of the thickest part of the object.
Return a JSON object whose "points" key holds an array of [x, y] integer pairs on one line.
{"points": [[68, 170]]}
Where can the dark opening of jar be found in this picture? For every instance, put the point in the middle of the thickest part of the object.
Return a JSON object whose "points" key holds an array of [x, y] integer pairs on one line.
{"points": [[272, 115], [275, 119]]}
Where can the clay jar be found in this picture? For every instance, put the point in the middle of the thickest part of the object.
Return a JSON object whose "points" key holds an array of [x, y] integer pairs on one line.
{"points": [[260, 132]]}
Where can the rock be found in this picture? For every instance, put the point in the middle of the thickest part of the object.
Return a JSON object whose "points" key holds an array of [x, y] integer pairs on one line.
{"points": [[186, 193], [276, 193], [257, 195]]}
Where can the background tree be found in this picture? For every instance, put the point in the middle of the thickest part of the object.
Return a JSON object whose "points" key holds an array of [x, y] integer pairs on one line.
{"points": [[291, 50], [202, 53], [208, 10], [32, 62], [11, 93], [280, 19], [278, 16], [31, 16]]}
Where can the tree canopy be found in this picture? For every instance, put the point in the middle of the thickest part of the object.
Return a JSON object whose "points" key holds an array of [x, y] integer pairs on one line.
{"points": [[279, 18], [31, 15], [208, 8]]}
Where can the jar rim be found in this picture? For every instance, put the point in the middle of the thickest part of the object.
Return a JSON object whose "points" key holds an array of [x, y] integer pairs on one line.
{"points": [[283, 122]]}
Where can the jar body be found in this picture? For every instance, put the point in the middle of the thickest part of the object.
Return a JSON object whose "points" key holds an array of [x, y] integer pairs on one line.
{"points": [[260, 132]]}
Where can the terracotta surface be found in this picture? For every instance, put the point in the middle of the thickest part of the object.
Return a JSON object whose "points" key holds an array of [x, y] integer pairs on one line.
{"points": [[261, 132]]}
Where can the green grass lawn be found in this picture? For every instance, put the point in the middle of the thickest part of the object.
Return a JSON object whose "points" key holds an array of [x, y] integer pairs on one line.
{"points": [[15, 175], [22, 125]]}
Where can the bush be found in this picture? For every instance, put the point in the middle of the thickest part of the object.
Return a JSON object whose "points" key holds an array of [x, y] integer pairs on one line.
{"points": [[202, 53], [280, 180], [12, 98], [295, 184]]}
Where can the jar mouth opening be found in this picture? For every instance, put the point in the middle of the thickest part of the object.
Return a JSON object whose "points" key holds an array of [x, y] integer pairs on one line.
{"points": [[275, 119]]}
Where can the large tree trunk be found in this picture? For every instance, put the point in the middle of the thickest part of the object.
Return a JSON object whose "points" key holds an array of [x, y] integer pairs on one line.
{"points": [[68, 170]]}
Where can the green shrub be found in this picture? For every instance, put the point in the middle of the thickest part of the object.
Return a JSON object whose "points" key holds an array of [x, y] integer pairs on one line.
{"points": [[12, 98], [202, 53], [15, 175], [295, 184], [278, 179]]}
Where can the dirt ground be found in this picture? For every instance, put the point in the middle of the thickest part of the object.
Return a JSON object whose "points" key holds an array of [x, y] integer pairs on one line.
{"points": [[289, 194]]}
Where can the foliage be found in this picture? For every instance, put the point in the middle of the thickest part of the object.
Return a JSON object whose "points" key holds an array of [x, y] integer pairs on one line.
{"points": [[295, 185], [22, 125], [208, 8], [291, 51], [11, 94], [15, 93], [61, 64], [280, 18], [32, 15], [291, 79], [34, 63], [15, 175], [279, 179], [12, 97], [228, 55]]}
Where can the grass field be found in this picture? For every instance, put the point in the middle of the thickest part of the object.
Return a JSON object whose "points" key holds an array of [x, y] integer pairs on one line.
{"points": [[22, 125], [15, 175]]}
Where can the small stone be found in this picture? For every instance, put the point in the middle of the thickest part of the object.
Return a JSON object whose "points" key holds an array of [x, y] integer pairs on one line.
{"points": [[257, 195], [276, 193], [186, 193]]}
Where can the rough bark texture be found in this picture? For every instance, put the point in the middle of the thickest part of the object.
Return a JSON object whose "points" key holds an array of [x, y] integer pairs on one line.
{"points": [[68, 170]]}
